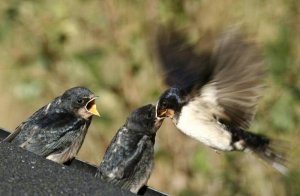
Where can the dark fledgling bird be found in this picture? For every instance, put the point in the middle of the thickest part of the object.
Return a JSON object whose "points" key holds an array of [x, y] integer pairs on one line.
{"points": [[129, 159], [57, 130], [214, 94]]}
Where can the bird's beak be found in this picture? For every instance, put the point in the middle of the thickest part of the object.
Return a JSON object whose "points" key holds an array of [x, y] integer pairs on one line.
{"points": [[91, 106], [165, 113]]}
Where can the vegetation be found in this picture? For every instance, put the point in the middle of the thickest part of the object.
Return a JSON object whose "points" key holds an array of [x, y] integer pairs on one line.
{"points": [[49, 46]]}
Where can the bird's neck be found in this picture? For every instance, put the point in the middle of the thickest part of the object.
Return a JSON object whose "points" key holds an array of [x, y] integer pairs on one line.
{"points": [[176, 117]]}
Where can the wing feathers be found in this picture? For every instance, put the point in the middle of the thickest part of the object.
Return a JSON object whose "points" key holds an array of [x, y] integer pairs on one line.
{"points": [[236, 78], [180, 65], [226, 78]]}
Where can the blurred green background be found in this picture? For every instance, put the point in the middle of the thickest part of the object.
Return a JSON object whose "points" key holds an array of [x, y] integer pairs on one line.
{"points": [[49, 46]]}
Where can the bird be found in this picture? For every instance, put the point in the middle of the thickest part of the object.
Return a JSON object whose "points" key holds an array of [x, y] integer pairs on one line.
{"points": [[129, 159], [213, 93], [57, 130]]}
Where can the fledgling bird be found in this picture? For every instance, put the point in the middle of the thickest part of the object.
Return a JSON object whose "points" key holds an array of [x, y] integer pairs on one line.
{"points": [[57, 130], [129, 159], [213, 94]]}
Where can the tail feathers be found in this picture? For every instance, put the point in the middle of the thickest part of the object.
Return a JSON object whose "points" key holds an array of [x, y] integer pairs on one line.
{"points": [[271, 155], [271, 151]]}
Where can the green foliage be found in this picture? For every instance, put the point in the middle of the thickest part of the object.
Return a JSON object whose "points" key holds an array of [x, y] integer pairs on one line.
{"points": [[200, 161], [91, 57], [283, 113], [28, 89], [188, 193], [292, 184], [279, 53]]}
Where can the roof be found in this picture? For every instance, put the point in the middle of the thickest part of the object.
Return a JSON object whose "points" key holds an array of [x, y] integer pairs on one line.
{"points": [[25, 173]]}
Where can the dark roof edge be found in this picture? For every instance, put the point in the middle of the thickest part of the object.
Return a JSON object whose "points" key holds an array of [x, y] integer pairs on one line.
{"points": [[91, 169]]}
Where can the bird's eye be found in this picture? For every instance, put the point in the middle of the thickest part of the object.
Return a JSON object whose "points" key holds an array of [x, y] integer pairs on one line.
{"points": [[164, 104], [80, 101]]}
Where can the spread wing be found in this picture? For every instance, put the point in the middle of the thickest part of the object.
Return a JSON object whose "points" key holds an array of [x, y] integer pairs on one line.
{"points": [[180, 65], [235, 86], [225, 79]]}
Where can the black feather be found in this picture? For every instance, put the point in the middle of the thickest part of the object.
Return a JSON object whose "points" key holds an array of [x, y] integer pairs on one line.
{"points": [[129, 159], [56, 129]]}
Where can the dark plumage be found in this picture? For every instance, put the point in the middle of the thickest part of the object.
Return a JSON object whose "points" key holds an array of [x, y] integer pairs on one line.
{"points": [[213, 94], [129, 159], [57, 130]]}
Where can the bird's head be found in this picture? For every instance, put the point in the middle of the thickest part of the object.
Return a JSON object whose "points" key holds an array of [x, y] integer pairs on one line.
{"points": [[169, 103], [144, 119], [80, 101]]}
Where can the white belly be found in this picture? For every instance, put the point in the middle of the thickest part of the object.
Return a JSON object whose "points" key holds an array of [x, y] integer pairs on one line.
{"points": [[196, 123]]}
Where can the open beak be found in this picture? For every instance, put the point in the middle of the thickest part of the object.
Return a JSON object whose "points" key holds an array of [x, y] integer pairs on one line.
{"points": [[91, 107], [165, 113]]}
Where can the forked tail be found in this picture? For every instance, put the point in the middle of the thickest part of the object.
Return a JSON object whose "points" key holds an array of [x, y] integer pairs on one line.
{"points": [[272, 151]]}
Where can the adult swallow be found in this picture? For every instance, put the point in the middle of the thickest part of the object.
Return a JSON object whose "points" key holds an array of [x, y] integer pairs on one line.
{"points": [[57, 130], [129, 159], [213, 94]]}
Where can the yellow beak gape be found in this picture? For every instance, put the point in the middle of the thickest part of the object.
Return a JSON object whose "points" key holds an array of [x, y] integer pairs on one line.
{"points": [[94, 110]]}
